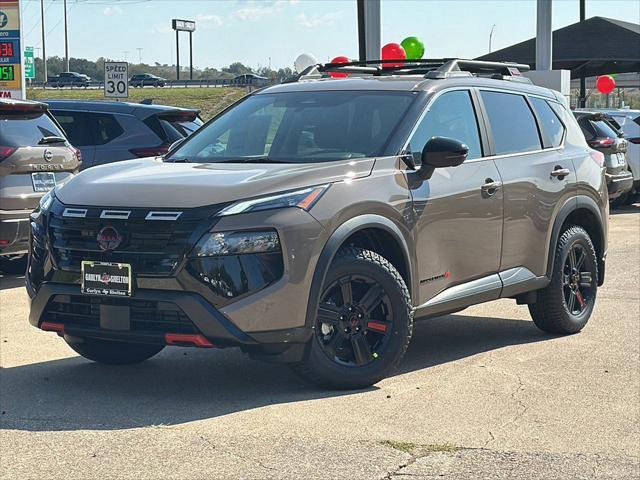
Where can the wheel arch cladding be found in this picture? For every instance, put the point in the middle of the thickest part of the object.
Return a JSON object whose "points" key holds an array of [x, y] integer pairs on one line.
{"points": [[371, 232], [586, 214]]}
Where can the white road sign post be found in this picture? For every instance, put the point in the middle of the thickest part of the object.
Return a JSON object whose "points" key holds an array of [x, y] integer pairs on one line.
{"points": [[116, 79]]}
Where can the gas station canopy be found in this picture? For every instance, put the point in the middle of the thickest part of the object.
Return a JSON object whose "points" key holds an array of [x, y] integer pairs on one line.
{"points": [[596, 46]]}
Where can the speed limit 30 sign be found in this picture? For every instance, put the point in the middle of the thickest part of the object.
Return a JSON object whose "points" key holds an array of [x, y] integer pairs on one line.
{"points": [[116, 79]]}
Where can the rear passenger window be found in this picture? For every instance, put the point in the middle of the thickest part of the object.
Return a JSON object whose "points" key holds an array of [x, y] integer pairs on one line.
{"points": [[451, 115], [76, 126], [106, 128], [553, 128], [512, 123]]}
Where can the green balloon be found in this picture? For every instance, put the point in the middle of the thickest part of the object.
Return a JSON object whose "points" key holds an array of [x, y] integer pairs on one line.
{"points": [[414, 48]]}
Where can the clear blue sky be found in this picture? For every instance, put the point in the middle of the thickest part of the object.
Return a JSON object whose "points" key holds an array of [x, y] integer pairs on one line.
{"points": [[251, 31]]}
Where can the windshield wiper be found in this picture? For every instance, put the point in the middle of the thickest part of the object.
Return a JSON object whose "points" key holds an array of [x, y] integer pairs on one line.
{"points": [[251, 160], [51, 139]]}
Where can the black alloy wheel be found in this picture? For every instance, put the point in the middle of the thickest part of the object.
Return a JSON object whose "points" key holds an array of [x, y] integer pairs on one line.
{"points": [[577, 280], [355, 320]]}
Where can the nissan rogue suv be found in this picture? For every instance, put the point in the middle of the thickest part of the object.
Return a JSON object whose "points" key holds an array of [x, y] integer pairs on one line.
{"points": [[34, 156], [312, 222]]}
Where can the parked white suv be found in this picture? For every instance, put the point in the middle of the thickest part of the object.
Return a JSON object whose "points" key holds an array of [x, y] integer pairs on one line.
{"points": [[629, 121]]}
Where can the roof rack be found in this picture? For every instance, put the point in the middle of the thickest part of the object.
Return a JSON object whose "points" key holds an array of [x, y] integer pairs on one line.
{"points": [[432, 68]]}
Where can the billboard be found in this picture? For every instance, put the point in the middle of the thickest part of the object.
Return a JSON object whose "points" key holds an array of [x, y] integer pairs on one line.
{"points": [[11, 70]]}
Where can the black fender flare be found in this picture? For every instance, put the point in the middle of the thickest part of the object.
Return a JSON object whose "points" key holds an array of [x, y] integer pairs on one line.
{"points": [[571, 205], [336, 240]]}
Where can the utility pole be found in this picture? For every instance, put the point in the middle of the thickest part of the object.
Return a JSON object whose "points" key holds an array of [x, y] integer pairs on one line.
{"points": [[66, 39], [491, 36], [44, 50], [125, 54], [139, 54]]}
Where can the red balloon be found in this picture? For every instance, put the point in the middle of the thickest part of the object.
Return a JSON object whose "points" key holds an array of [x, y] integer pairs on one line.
{"points": [[340, 59], [393, 51], [605, 84]]}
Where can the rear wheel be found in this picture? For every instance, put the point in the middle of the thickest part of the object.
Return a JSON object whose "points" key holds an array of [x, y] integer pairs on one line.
{"points": [[113, 353], [363, 324], [566, 304]]}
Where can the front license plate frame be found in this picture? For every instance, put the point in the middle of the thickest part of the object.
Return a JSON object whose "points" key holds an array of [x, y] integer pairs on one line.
{"points": [[105, 279]]}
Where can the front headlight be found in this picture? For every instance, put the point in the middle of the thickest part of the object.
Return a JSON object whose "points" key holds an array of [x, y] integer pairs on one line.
{"points": [[303, 199], [237, 243]]}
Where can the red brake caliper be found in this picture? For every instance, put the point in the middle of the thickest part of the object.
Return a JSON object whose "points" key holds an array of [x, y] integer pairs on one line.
{"points": [[580, 299]]}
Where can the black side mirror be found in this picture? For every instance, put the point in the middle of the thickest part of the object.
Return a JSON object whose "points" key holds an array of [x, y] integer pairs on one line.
{"points": [[440, 152]]}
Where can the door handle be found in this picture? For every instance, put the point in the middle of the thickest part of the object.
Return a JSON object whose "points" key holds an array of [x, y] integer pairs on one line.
{"points": [[560, 172], [490, 187]]}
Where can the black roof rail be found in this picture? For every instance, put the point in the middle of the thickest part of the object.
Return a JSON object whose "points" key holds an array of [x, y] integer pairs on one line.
{"points": [[478, 67], [432, 68]]}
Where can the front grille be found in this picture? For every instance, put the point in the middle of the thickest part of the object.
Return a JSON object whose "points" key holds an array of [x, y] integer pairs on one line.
{"points": [[151, 247], [144, 315]]}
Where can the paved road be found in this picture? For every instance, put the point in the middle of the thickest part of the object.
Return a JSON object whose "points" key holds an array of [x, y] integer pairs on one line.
{"points": [[482, 394]]}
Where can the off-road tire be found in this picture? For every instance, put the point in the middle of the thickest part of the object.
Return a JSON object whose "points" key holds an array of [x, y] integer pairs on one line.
{"points": [[550, 312], [114, 353], [318, 368]]}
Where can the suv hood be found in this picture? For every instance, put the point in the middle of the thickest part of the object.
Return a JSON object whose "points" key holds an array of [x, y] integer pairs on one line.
{"points": [[150, 182]]}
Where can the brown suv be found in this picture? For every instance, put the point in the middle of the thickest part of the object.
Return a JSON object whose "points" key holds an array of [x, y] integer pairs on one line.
{"points": [[313, 221], [34, 157]]}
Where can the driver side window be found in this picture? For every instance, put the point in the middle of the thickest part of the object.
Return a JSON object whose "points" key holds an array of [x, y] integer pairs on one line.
{"points": [[451, 115]]}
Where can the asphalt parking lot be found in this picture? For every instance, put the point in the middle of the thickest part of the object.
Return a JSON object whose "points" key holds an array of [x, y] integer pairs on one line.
{"points": [[481, 394]]}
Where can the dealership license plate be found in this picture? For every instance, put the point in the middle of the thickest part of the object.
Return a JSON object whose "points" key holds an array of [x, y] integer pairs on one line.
{"points": [[43, 181], [103, 278]]}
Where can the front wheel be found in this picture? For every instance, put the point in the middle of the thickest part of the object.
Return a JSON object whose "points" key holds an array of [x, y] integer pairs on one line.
{"points": [[566, 304], [112, 352], [363, 324]]}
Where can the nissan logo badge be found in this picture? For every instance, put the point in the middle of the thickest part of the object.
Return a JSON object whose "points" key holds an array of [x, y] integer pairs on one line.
{"points": [[108, 239]]}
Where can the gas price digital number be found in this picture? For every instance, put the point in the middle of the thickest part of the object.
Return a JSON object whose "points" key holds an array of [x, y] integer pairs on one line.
{"points": [[7, 73]]}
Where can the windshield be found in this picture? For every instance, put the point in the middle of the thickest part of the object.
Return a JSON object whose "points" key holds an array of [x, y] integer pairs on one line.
{"points": [[299, 127]]}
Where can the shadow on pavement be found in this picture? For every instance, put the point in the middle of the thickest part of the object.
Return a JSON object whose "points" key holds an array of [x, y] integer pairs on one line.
{"points": [[183, 385], [11, 281], [633, 208]]}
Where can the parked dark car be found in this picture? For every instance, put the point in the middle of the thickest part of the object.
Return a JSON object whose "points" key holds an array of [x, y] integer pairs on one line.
{"points": [[602, 133], [108, 132], [251, 79], [69, 79], [147, 80]]}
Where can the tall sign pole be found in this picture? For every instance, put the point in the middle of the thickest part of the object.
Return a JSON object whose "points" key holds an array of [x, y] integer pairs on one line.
{"points": [[12, 83], [190, 55], [177, 55], [183, 26]]}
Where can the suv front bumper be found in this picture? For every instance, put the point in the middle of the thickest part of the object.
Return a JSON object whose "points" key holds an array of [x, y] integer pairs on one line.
{"points": [[198, 316], [619, 183]]}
